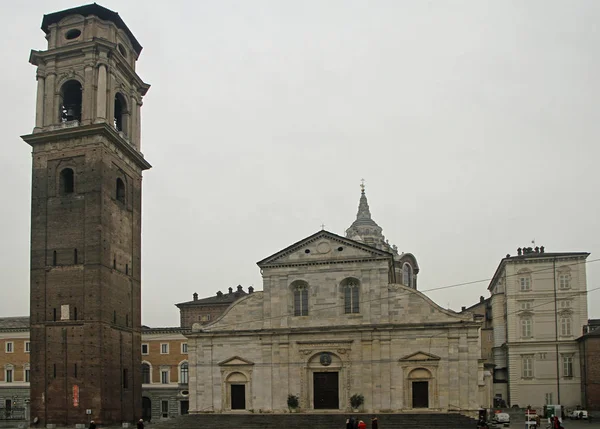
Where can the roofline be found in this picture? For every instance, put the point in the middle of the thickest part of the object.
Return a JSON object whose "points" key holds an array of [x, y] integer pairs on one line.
{"points": [[534, 256], [476, 304], [310, 237], [196, 303], [91, 9]]}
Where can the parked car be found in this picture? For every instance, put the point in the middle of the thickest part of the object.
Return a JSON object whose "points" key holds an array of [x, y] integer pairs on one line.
{"points": [[578, 414], [501, 418]]}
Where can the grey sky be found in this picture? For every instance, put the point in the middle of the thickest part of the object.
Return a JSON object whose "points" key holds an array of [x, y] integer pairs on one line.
{"points": [[475, 124]]}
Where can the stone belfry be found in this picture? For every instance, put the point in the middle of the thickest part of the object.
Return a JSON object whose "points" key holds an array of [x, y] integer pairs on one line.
{"points": [[86, 221]]}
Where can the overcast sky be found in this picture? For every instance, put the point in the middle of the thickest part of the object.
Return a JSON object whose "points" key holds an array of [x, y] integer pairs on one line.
{"points": [[475, 124]]}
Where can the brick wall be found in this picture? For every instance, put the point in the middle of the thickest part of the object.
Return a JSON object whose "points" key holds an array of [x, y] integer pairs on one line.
{"points": [[590, 358]]}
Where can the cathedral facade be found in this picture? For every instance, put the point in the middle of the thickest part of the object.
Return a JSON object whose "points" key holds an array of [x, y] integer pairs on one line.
{"points": [[337, 316]]}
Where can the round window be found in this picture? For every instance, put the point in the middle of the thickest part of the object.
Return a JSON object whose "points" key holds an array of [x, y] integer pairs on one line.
{"points": [[72, 34]]}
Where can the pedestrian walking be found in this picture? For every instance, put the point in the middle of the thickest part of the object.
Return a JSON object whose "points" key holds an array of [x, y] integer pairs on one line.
{"points": [[140, 424], [92, 425], [362, 425], [374, 422]]}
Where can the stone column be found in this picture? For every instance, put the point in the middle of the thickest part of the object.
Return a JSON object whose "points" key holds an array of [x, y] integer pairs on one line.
{"points": [[138, 124], [101, 95], [87, 101], [50, 116], [133, 117], [39, 105]]}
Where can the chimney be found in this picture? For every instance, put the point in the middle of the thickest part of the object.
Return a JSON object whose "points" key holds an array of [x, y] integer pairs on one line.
{"points": [[481, 299], [195, 296], [463, 308], [250, 289], [240, 288], [230, 290], [542, 249], [219, 294]]}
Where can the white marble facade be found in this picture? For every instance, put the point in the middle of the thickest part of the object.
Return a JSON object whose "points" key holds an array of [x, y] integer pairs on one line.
{"points": [[333, 320]]}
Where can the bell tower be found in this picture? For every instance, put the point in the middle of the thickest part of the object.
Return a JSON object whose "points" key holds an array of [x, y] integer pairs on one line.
{"points": [[86, 221]]}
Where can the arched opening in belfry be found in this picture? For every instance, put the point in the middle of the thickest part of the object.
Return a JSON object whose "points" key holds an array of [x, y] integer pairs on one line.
{"points": [[121, 113], [70, 105]]}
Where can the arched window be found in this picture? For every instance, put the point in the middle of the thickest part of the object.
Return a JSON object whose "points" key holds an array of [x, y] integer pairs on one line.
{"points": [[70, 101], [407, 275], [300, 298], [120, 190], [67, 181], [351, 290], [184, 373], [121, 113], [146, 373]]}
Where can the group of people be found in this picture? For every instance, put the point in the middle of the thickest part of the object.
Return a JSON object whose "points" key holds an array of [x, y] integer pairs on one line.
{"points": [[353, 423], [140, 424]]}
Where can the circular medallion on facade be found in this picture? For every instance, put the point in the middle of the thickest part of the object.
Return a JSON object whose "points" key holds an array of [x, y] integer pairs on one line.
{"points": [[323, 247], [325, 359]]}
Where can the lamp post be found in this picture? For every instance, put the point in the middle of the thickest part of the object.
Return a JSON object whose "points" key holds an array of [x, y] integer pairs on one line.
{"points": [[556, 331]]}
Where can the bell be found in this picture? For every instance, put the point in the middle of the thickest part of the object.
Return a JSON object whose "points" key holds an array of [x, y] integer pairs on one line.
{"points": [[70, 115]]}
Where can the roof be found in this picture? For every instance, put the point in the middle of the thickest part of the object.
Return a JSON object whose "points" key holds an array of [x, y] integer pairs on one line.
{"points": [[225, 299], [14, 323], [484, 302], [174, 330], [532, 256], [325, 233], [96, 10], [21, 323]]}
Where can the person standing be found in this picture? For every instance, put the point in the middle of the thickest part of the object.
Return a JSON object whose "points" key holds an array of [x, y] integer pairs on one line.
{"points": [[92, 425], [374, 422], [362, 425], [140, 424]]}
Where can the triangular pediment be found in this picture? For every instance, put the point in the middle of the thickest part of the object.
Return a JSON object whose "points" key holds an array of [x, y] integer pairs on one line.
{"points": [[420, 356], [323, 246], [235, 361]]}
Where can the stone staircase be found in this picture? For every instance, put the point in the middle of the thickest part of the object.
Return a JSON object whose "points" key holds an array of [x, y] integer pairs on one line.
{"points": [[313, 421]]}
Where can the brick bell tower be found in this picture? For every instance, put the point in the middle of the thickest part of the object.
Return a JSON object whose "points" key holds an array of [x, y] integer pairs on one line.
{"points": [[86, 221]]}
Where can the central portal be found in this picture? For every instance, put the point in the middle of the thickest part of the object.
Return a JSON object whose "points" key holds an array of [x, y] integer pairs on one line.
{"points": [[420, 394], [326, 391], [238, 397]]}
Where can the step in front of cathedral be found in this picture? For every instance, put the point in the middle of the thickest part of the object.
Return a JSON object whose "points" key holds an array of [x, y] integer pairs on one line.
{"points": [[315, 421]]}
